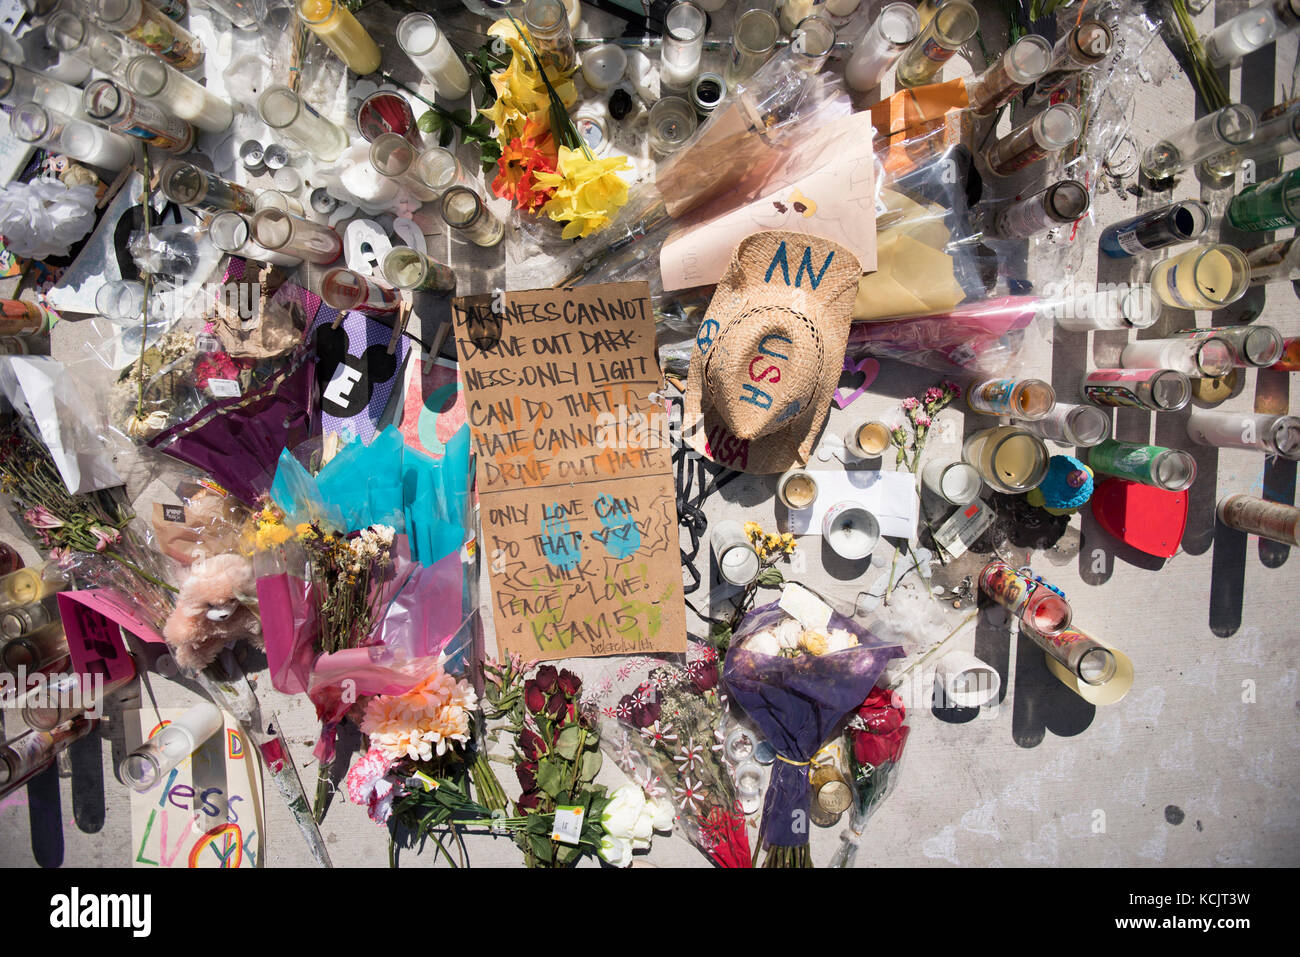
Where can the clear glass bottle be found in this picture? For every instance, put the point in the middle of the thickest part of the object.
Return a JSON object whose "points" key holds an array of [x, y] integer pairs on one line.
{"points": [[465, 212], [439, 169], [1156, 390], [1081, 654], [121, 300], [811, 43], [752, 42], [286, 112], [1086, 45], [1272, 204], [148, 764], [141, 21], [64, 698], [422, 41], [230, 232], [1049, 132], [1210, 135], [890, 34], [1059, 204], [24, 757], [19, 85], [1008, 458], [149, 77], [1274, 138], [956, 483], [683, 44], [548, 24], [952, 25], [106, 102], [339, 30], [672, 121], [406, 268], [1170, 469], [1023, 62], [45, 649], [1199, 358], [1290, 360], [1022, 398], [292, 235], [1080, 426], [1205, 277], [1275, 521], [80, 139], [396, 158], [349, 291], [1157, 229], [188, 185], [1270, 434], [90, 43], [1251, 30], [1253, 345], [1029, 600]]}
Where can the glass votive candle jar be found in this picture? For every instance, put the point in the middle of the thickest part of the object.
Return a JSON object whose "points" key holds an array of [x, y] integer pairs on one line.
{"points": [[811, 43], [548, 23], [117, 108], [407, 268], [1081, 426], [672, 121], [396, 158], [440, 170], [737, 560], [1024, 62], [1170, 469], [1049, 132], [957, 483], [683, 43], [349, 291], [1252, 345], [886, 39], [386, 112], [60, 133], [1008, 458], [120, 300], [148, 764], [1156, 390], [149, 76], [1270, 434], [1204, 277], [230, 232], [1201, 358], [188, 185], [285, 112], [1209, 136], [752, 42], [421, 40], [339, 30], [292, 235], [952, 25], [465, 212], [278, 199]]}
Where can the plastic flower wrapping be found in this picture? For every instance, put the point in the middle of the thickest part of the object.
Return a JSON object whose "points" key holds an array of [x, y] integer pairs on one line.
{"points": [[877, 736], [797, 689], [44, 217], [665, 735]]}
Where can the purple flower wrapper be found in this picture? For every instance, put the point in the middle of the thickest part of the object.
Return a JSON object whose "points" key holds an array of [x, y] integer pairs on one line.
{"points": [[798, 703]]}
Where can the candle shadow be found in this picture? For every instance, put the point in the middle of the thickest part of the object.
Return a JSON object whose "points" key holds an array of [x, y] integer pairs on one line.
{"points": [[1227, 580], [1069, 363], [346, 744], [1042, 703], [1097, 550], [1171, 432], [993, 647], [45, 816], [1279, 486], [88, 807], [847, 569]]}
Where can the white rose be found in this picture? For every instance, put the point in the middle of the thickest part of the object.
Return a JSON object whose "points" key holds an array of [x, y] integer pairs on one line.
{"points": [[840, 639], [643, 829], [665, 815], [620, 815], [788, 633], [615, 850], [763, 643]]}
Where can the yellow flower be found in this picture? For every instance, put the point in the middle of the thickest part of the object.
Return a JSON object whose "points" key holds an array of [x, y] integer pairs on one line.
{"points": [[588, 192], [270, 535], [521, 92], [754, 531], [813, 643]]}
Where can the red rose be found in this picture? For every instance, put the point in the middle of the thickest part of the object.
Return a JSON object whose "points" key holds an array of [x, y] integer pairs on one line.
{"points": [[644, 715], [546, 678], [555, 706], [569, 683], [527, 775], [704, 675], [532, 744], [876, 749], [529, 800], [534, 699], [884, 720]]}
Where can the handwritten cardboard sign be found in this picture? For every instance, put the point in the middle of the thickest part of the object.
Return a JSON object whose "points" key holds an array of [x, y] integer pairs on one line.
{"points": [[574, 470]]}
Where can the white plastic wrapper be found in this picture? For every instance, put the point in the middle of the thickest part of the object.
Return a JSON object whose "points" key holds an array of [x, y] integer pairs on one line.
{"points": [[44, 218], [40, 389]]}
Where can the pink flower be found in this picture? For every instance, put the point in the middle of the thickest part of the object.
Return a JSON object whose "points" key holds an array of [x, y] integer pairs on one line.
{"points": [[41, 517], [367, 784], [953, 389], [933, 394], [911, 403], [923, 421], [104, 537]]}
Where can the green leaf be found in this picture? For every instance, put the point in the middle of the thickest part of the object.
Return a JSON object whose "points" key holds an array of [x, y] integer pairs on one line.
{"points": [[568, 853], [446, 136], [462, 116], [591, 761], [770, 577], [567, 745], [430, 122], [541, 847], [550, 778]]}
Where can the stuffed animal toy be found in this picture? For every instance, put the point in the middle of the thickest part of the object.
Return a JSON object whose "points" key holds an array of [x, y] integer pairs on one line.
{"points": [[209, 614]]}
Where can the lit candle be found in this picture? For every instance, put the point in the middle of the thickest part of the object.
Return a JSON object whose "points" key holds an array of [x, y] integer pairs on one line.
{"points": [[339, 30], [422, 41]]}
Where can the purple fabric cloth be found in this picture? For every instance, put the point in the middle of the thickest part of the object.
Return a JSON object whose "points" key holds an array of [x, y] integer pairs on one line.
{"points": [[798, 703]]}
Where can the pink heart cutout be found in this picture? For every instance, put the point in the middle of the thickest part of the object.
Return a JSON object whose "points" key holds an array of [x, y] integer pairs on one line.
{"points": [[869, 368]]}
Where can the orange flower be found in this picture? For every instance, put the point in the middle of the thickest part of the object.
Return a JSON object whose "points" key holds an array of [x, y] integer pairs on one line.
{"points": [[523, 157]]}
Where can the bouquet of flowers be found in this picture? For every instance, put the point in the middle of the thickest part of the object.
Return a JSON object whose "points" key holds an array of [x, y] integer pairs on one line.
{"points": [[797, 684], [665, 735], [349, 568], [877, 736]]}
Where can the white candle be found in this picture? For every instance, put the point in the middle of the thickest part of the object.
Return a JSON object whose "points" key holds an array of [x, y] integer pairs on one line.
{"points": [[422, 41], [150, 77], [368, 185]]}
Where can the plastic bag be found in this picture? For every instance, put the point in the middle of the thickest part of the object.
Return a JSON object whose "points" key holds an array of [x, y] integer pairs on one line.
{"points": [[206, 522], [875, 741]]}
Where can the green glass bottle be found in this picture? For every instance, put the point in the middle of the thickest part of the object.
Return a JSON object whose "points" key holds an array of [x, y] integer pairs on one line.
{"points": [[1273, 204]]}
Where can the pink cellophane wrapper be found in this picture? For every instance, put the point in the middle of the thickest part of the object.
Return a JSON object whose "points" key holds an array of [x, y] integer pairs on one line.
{"points": [[984, 337]]}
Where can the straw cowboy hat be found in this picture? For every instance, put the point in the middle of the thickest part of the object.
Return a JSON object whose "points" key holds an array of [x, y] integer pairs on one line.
{"points": [[769, 351]]}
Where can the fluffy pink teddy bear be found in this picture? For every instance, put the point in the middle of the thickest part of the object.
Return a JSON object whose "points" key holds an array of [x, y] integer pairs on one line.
{"points": [[209, 614]]}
